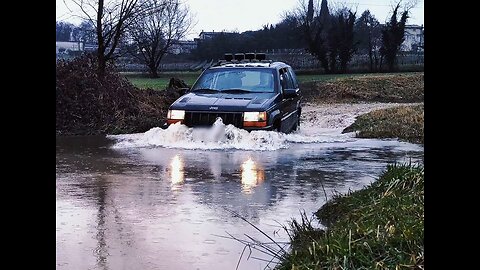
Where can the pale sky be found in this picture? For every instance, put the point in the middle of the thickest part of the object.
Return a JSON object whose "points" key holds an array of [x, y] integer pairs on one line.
{"points": [[243, 15]]}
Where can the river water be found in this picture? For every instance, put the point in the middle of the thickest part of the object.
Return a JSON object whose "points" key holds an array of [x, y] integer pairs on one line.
{"points": [[170, 199]]}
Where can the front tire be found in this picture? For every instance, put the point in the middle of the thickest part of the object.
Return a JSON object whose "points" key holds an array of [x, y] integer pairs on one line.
{"points": [[296, 126], [277, 126]]}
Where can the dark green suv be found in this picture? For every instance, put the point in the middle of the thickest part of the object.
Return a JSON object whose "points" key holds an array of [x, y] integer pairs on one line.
{"points": [[248, 92]]}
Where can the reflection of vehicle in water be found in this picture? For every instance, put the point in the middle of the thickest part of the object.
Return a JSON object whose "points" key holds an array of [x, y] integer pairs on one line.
{"points": [[252, 93], [237, 179], [176, 171], [251, 175]]}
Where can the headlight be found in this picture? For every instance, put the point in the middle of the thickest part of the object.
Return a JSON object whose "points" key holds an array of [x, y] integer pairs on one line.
{"points": [[254, 116], [176, 114]]}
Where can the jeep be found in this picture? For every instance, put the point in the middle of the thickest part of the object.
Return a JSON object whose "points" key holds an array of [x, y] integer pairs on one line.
{"points": [[244, 90]]}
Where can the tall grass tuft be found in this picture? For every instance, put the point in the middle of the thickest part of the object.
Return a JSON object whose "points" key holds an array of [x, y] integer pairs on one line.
{"points": [[379, 227]]}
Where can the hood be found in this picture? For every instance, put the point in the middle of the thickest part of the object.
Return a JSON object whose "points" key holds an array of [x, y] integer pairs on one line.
{"points": [[224, 102]]}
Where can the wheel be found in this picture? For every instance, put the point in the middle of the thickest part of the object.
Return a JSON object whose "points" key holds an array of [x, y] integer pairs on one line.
{"points": [[277, 126], [296, 126]]}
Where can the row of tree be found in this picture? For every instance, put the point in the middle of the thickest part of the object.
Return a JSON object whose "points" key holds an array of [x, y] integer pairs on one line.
{"points": [[70, 32], [147, 29], [331, 37]]}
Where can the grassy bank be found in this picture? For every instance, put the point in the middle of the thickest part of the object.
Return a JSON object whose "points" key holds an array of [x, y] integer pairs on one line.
{"points": [[378, 227], [378, 87], [361, 85], [404, 122]]}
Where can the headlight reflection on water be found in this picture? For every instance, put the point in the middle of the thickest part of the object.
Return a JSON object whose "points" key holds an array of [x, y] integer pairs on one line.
{"points": [[251, 175], [176, 171]]}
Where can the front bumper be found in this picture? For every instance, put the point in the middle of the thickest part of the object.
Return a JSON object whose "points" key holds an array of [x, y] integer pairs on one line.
{"points": [[259, 128], [166, 125]]}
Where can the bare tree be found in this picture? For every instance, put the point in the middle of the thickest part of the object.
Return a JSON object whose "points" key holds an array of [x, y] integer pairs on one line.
{"points": [[393, 34], [329, 37], [154, 35], [345, 20], [85, 32], [369, 36], [110, 20], [314, 22]]}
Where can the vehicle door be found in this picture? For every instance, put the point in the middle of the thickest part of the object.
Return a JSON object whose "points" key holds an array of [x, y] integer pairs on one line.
{"points": [[297, 98], [289, 104]]}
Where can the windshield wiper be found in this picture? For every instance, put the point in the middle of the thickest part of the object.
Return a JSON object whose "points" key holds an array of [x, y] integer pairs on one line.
{"points": [[237, 91], [205, 90]]}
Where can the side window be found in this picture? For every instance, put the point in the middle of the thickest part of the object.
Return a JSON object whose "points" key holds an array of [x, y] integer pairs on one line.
{"points": [[293, 77], [286, 79], [289, 84], [283, 79]]}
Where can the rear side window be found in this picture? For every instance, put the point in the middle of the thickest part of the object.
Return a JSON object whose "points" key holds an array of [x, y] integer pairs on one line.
{"points": [[287, 80], [293, 77]]}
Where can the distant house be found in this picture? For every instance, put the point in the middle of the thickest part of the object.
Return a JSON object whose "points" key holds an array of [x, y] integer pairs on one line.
{"points": [[414, 41], [64, 46], [207, 35], [183, 46], [90, 47]]}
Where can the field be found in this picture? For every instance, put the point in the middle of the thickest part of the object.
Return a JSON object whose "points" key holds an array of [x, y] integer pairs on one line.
{"points": [[142, 80]]}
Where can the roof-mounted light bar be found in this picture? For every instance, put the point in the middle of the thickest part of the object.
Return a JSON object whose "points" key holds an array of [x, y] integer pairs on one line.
{"points": [[260, 56], [250, 56], [239, 56], [243, 57], [228, 57]]}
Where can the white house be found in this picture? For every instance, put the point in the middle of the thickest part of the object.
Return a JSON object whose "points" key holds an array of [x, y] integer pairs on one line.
{"points": [[413, 38], [69, 46], [208, 35], [183, 46]]}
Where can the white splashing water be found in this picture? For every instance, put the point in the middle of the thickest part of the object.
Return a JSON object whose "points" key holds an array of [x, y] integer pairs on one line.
{"points": [[320, 124]]}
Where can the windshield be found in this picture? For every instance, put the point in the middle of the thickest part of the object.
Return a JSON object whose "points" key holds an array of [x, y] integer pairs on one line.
{"points": [[236, 79]]}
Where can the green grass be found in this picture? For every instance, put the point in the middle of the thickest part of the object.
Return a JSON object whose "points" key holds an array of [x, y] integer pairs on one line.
{"points": [[141, 80], [375, 87], [404, 122], [331, 77], [378, 227], [324, 77]]}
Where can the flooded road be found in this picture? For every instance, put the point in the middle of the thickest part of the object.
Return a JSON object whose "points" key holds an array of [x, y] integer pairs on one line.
{"points": [[166, 199]]}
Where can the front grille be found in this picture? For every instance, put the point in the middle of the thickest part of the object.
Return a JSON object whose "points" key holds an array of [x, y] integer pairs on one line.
{"points": [[193, 119]]}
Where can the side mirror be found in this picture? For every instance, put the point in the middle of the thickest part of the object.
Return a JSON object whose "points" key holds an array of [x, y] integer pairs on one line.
{"points": [[291, 93], [184, 90]]}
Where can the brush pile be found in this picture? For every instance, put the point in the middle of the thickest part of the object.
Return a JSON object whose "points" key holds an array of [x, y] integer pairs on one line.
{"points": [[87, 105]]}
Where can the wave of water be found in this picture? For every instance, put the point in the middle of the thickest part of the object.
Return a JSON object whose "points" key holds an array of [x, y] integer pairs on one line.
{"points": [[320, 124], [221, 136]]}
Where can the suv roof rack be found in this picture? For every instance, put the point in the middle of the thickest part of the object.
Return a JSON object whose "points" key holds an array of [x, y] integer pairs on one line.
{"points": [[242, 58]]}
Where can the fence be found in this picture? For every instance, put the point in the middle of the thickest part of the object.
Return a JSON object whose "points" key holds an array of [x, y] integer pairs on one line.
{"points": [[299, 59], [304, 60]]}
